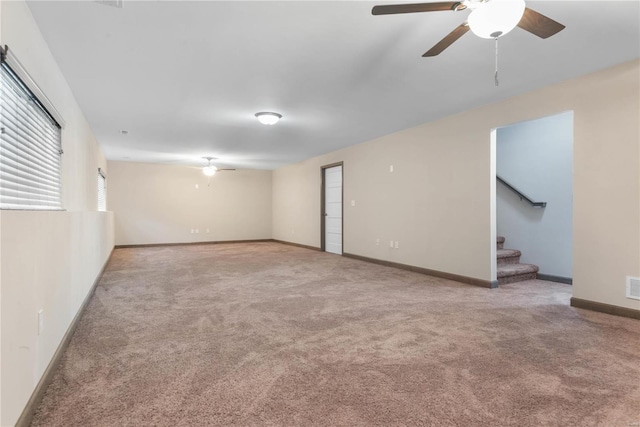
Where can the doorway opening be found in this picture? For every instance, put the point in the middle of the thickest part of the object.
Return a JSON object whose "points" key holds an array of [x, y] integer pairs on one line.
{"points": [[331, 209], [534, 200]]}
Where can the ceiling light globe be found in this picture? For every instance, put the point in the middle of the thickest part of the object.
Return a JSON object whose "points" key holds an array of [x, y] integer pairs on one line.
{"points": [[209, 170], [268, 118], [495, 18]]}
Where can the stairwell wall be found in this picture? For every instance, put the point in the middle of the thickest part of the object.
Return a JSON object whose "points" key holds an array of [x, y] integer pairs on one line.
{"points": [[438, 202]]}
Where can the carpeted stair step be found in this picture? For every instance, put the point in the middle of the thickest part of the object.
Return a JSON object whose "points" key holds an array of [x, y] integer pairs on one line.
{"points": [[508, 256], [500, 242], [510, 273]]}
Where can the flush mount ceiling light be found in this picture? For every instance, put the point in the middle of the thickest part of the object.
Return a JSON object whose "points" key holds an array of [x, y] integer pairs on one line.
{"points": [[268, 118], [496, 18], [209, 170]]}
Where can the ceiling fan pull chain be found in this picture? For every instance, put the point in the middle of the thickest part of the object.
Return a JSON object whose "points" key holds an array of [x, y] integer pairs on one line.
{"points": [[496, 76]]}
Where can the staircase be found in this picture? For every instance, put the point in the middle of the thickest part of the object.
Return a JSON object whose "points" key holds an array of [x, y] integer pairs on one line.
{"points": [[510, 269]]}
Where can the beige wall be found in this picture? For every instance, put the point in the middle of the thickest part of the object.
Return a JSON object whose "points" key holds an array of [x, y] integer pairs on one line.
{"points": [[160, 204], [49, 260], [430, 204], [439, 202]]}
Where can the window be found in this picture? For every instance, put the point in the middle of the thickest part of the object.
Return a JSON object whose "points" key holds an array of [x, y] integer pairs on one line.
{"points": [[30, 143], [102, 191]]}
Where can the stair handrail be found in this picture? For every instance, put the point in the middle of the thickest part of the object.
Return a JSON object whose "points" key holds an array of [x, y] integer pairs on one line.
{"points": [[520, 194]]}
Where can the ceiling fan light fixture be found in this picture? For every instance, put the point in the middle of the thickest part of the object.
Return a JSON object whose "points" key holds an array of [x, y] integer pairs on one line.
{"points": [[209, 170], [268, 118], [495, 18]]}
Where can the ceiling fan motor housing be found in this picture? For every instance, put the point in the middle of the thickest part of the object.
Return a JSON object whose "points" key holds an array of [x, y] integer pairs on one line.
{"points": [[496, 18]]}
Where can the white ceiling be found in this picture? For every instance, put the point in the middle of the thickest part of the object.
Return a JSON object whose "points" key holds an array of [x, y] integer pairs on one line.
{"points": [[185, 78]]}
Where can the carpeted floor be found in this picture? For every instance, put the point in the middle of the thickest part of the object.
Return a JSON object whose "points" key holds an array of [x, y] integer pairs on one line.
{"points": [[265, 334]]}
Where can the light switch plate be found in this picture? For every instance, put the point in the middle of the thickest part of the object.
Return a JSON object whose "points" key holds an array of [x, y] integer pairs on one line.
{"points": [[40, 321]]}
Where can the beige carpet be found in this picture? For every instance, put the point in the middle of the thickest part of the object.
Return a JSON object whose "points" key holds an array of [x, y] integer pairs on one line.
{"points": [[266, 334]]}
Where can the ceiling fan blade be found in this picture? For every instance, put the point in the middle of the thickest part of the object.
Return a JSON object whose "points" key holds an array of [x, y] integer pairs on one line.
{"points": [[538, 24], [225, 169], [416, 7], [448, 40]]}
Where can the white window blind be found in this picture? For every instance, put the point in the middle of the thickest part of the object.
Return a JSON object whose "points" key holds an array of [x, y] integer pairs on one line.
{"points": [[102, 191], [30, 148]]}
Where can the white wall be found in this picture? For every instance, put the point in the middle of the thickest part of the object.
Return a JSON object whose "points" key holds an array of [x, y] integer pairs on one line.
{"points": [[536, 157], [160, 204], [48, 260], [438, 203]]}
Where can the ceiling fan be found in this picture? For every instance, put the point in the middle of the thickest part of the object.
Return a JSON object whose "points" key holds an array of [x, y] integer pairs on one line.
{"points": [[113, 3], [488, 19], [210, 169]]}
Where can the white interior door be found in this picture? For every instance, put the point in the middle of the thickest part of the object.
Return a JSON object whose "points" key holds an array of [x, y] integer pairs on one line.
{"points": [[333, 210]]}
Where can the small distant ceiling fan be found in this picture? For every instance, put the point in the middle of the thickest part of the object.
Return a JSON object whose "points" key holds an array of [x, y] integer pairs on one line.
{"points": [[210, 169], [113, 3], [488, 19]]}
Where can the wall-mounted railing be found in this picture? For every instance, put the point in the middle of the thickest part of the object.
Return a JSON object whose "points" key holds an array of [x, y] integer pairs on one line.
{"points": [[520, 194]]}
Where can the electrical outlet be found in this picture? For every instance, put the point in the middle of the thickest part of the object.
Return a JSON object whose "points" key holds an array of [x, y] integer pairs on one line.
{"points": [[390, 168], [192, 231], [390, 243], [197, 231], [207, 230], [197, 186], [353, 203], [633, 287], [396, 244], [40, 321], [377, 242]]}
